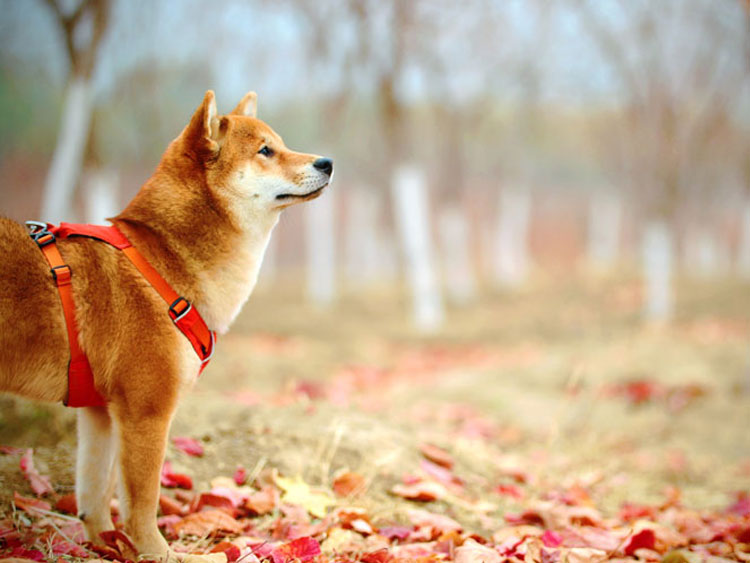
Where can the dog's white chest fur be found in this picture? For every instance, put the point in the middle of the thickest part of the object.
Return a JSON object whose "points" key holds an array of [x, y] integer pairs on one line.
{"points": [[228, 286]]}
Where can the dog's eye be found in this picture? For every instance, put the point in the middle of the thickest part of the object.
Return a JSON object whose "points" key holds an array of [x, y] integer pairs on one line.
{"points": [[265, 151]]}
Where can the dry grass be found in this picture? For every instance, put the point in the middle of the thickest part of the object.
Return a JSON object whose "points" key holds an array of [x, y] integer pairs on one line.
{"points": [[528, 366]]}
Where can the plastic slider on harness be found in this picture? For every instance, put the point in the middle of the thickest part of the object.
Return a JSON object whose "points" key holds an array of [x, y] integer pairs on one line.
{"points": [[178, 312], [179, 309], [62, 274]]}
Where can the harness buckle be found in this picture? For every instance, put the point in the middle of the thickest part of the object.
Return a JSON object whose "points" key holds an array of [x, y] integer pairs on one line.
{"points": [[39, 233], [179, 309]]}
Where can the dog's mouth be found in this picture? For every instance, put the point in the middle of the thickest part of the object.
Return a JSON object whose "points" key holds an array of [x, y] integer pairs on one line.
{"points": [[302, 197]]}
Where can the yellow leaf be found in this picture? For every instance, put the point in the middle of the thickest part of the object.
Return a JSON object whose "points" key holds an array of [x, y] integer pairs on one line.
{"points": [[296, 491]]}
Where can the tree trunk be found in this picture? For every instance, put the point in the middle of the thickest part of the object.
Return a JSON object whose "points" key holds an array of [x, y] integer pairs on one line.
{"points": [[658, 251], [457, 268], [321, 250], [512, 263], [743, 252], [605, 220], [67, 158], [704, 255], [412, 216], [100, 191]]}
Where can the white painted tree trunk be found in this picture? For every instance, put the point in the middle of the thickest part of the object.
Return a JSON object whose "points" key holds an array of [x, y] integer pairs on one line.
{"points": [[704, 255], [412, 217], [658, 251], [457, 267], [512, 238], [743, 251], [67, 158], [100, 186], [321, 250], [605, 222], [363, 241]]}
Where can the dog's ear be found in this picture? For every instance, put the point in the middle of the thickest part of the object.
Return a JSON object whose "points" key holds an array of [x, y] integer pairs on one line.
{"points": [[248, 105], [204, 132]]}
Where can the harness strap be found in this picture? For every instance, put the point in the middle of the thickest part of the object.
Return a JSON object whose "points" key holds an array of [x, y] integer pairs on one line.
{"points": [[186, 318], [183, 314], [81, 390]]}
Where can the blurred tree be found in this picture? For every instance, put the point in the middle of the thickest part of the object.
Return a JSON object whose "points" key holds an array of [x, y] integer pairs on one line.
{"points": [[743, 253], [675, 94], [82, 30]]}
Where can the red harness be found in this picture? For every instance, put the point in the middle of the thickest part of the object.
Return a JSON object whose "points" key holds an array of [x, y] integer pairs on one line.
{"points": [[81, 390]]}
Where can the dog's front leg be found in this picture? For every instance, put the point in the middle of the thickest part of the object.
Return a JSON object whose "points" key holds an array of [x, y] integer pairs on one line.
{"points": [[142, 434], [95, 470]]}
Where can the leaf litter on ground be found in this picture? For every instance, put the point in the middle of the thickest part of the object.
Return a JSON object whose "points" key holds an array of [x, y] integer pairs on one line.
{"points": [[284, 520]]}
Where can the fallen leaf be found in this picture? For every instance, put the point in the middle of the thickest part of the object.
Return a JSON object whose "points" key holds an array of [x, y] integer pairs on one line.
{"points": [[741, 506], [509, 490], [263, 502], [67, 504], [381, 556], [681, 556], [436, 455], [219, 501], [20, 554], [29, 504], [348, 484], [207, 523], [171, 479], [474, 552], [170, 506], [441, 474], [167, 523], [443, 524], [296, 491], [205, 558], [422, 491], [630, 512], [643, 539], [586, 555], [190, 446], [551, 539], [240, 476], [297, 551], [40, 484], [231, 551], [395, 532], [119, 542]]}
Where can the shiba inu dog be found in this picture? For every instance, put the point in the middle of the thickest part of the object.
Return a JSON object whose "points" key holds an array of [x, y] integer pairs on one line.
{"points": [[203, 221]]}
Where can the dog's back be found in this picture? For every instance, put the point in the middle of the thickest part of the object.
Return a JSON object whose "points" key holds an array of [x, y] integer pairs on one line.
{"points": [[34, 349], [33, 344]]}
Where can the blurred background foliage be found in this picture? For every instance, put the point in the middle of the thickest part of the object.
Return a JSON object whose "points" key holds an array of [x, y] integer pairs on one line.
{"points": [[633, 113]]}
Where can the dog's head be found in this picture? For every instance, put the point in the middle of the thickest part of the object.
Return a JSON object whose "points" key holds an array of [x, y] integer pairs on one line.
{"points": [[246, 163]]}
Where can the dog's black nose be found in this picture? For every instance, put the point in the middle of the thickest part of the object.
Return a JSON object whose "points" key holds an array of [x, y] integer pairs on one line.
{"points": [[325, 165]]}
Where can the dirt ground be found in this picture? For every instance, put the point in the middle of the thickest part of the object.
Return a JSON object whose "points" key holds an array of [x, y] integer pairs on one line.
{"points": [[559, 384]]}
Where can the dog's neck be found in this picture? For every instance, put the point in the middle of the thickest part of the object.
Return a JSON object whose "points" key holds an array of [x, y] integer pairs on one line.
{"points": [[204, 250]]}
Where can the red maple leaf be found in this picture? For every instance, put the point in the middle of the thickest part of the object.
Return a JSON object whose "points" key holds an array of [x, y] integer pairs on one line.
{"points": [[40, 484], [190, 446], [172, 479], [643, 539], [299, 550]]}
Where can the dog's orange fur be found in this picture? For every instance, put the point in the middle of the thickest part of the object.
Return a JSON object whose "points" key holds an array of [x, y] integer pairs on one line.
{"points": [[203, 221]]}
